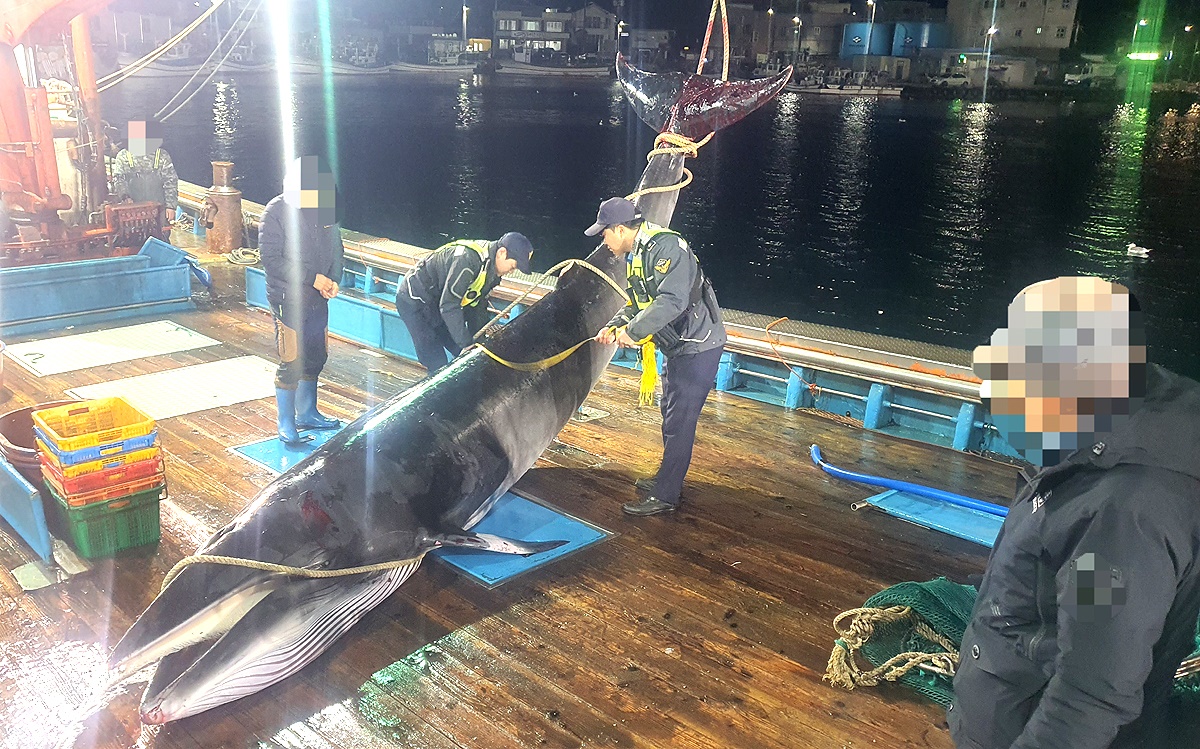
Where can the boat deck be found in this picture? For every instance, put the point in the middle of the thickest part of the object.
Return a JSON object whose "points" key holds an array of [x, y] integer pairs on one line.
{"points": [[707, 628]]}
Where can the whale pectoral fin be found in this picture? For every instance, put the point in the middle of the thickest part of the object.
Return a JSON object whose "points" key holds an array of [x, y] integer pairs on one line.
{"points": [[488, 542]]}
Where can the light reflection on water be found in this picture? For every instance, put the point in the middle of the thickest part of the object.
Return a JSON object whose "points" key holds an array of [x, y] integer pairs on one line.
{"points": [[914, 219]]}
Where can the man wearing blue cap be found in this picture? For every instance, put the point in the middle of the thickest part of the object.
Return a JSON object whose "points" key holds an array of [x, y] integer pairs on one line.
{"points": [[443, 301], [672, 303]]}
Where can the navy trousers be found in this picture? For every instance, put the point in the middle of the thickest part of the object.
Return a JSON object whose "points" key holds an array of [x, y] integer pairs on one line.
{"points": [[301, 329], [430, 337], [686, 382]]}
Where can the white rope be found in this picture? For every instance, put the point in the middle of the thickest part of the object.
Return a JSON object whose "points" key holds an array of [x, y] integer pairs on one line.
{"points": [[164, 117], [117, 76]]}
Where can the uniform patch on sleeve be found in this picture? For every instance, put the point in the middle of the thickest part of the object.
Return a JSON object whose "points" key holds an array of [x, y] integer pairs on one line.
{"points": [[662, 265]]}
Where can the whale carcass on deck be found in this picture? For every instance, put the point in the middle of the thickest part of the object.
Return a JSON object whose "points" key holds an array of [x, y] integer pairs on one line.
{"points": [[416, 473]]}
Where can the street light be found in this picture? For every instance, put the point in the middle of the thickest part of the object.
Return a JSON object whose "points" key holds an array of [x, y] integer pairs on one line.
{"points": [[1136, 26], [796, 56], [870, 31], [770, 34], [987, 70], [466, 10]]}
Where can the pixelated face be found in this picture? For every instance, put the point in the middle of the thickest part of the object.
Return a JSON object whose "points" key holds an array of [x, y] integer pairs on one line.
{"points": [[1069, 369], [144, 137], [310, 185]]}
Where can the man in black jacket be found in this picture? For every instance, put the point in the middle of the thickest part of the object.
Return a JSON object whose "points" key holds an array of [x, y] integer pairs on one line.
{"points": [[443, 301], [1090, 598], [300, 243], [671, 302]]}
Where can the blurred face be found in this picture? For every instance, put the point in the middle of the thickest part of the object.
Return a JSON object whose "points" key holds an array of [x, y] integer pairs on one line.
{"points": [[619, 238], [310, 185], [504, 264], [144, 137], [1069, 369]]}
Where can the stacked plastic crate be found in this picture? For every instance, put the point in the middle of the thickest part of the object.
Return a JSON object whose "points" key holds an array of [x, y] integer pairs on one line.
{"points": [[102, 463]]}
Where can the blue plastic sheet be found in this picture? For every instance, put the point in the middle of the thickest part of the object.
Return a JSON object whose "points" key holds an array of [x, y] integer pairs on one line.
{"points": [[973, 525]]}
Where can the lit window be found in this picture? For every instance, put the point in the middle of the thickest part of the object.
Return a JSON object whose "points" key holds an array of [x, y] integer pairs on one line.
{"points": [[507, 25], [1061, 33], [531, 26], [554, 26], [1039, 30]]}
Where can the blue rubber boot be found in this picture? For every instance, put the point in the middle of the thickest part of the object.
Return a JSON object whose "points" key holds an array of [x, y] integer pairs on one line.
{"points": [[285, 410], [307, 416]]}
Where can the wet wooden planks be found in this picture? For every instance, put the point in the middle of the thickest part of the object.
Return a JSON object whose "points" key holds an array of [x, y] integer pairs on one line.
{"points": [[708, 628]]}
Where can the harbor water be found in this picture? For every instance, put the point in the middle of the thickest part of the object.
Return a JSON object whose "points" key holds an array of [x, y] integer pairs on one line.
{"points": [[917, 219]]}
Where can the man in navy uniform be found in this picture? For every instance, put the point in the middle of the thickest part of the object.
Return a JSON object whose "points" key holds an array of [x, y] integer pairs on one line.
{"points": [[300, 242], [671, 302], [443, 301]]}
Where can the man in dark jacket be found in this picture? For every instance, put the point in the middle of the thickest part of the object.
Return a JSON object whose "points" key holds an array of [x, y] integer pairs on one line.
{"points": [[1090, 598], [300, 243], [671, 302], [443, 301]]}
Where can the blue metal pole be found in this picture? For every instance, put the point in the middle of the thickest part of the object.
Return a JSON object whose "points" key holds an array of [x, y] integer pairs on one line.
{"points": [[904, 486]]}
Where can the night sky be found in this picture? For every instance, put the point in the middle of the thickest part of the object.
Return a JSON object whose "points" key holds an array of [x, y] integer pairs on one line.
{"points": [[1104, 23]]}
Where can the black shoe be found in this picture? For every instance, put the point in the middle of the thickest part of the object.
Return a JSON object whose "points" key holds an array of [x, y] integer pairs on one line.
{"points": [[645, 484], [647, 506]]}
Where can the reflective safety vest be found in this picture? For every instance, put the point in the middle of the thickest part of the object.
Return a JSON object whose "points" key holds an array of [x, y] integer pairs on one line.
{"points": [[474, 294], [642, 288]]}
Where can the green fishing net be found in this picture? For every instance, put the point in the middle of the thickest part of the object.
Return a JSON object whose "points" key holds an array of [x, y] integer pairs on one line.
{"points": [[946, 606]]}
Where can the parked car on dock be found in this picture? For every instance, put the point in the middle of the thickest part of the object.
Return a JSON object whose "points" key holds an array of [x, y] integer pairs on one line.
{"points": [[951, 80]]}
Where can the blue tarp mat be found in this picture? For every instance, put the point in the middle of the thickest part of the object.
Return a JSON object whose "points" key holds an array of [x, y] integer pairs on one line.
{"points": [[973, 525], [525, 520], [513, 517], [278, 457]]}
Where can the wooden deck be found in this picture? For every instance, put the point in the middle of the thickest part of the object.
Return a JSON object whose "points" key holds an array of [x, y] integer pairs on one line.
{"points": [[709, 628]]}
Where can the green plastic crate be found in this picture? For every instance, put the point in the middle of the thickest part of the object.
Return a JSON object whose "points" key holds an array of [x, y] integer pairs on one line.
{"points": [[101, 529]]}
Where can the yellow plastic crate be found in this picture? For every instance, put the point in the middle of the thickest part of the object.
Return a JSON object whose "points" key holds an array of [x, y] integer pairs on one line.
{"points": [[79, 426], [92, 466]]}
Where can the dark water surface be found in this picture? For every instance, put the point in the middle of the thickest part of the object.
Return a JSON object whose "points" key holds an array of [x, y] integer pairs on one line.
{"points": [[913, 219]]}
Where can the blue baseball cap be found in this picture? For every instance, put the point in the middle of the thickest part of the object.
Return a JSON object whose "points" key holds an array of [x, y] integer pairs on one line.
{"points": [[519, 249], [612, 212]]}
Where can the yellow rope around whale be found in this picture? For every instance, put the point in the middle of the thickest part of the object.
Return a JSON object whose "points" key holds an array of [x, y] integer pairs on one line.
{"points": [[667, 144], [282, 569], [549, 361], [843, 670]]}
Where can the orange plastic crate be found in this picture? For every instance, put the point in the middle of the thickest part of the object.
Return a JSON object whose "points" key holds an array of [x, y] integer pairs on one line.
{"points": [[92, 423], [118, 474], [116, 491]]}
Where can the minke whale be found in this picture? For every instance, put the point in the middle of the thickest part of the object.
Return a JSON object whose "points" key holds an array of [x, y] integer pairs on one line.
{"points": [[415, 474]]}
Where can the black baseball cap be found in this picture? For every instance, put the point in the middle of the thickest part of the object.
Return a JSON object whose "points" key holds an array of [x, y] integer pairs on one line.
{"points": [[519, 249], [612, 212]]}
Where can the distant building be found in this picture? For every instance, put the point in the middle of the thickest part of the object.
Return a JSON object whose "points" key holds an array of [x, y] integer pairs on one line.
{"points": [[891, 11], [594, 31], [647, 47], [530, 29], [1038, 28]]}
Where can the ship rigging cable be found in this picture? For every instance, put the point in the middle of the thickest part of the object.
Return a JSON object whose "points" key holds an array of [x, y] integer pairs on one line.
{"points": [[117, 76], [164, 117]]}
